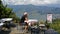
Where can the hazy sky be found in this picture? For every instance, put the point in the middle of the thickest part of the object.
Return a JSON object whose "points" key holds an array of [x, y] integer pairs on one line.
{"points": [[33, 2]]}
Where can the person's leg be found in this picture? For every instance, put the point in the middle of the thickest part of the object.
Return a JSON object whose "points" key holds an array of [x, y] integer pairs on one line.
{"points": [[26, 27]]}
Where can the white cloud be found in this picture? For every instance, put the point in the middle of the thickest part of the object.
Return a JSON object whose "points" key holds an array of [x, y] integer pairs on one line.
{"points": [[33, 2]]}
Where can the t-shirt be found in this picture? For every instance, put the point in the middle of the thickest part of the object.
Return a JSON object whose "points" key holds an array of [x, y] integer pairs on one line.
{"points": [[22, 19]]}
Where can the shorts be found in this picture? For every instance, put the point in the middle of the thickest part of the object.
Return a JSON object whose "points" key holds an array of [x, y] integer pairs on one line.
{"points": [[24, 24]]}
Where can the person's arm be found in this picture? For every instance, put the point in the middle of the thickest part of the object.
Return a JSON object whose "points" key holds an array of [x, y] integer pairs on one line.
{"points": [[26, 20]]}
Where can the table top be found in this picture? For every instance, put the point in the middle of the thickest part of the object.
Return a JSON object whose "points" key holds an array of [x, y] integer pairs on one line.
{"points": [[1, 24]]}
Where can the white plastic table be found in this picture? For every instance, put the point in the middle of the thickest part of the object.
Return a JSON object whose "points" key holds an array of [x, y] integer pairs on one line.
{"points": [[31, 21]]}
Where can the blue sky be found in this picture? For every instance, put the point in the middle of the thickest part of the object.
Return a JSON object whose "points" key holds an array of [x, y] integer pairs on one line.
{"points": [[33, 2]]}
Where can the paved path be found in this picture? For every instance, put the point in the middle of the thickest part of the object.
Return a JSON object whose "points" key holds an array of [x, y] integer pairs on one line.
{"points": [[17, 30]]}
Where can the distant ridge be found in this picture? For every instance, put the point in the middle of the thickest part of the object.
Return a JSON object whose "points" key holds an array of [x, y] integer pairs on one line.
{"points": [[36, 12], [38, 9]]}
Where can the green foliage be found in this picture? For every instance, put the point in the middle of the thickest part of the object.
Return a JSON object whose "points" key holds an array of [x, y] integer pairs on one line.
{"points": [[56, 25], [6, 12]]}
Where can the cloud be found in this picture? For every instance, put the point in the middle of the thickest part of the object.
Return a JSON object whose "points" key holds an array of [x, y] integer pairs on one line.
{"points": [[33, 2]]}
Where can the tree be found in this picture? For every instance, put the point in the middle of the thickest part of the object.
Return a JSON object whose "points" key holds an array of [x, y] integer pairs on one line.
{"points": [[6, 12]]}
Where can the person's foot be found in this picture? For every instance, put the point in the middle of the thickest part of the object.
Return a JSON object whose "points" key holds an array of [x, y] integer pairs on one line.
{"points": [[26, 31]]}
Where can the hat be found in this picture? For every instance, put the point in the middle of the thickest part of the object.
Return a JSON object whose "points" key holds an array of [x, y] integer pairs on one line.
{"points": [[25, 13]]}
